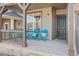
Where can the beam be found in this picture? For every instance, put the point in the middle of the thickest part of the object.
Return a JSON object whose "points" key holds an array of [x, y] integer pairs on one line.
{"points": [[6, 4], [24, 6], [2, 9], [20, 6], [27, 6]]}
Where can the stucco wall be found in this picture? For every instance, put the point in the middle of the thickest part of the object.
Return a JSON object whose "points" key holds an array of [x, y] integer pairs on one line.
{"points": [[6, 21], [49, 19], [15, 24], [76, 6], [46, 19], [61, 12]]}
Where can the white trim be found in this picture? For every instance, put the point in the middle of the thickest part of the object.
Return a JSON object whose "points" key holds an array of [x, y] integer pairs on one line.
{"points": [[17, 18]]}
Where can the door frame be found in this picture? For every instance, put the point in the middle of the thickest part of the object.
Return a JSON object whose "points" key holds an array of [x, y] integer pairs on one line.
{"points": [[65, 26]]}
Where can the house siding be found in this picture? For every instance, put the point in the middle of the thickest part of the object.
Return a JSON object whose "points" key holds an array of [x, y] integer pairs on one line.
{"points": [[46, 19], [49, 19]]}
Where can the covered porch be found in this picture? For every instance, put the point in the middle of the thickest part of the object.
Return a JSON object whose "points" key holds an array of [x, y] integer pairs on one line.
{"points": [[35, 48], [49, 12], [50, 15]]}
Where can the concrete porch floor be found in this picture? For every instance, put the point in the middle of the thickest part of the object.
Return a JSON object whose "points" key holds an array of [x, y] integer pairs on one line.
{"points": [[35, 48]]}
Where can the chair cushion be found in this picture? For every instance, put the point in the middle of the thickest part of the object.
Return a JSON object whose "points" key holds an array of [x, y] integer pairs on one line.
{"points": [[34, 34], [36, 30], [44, 34], [44, 30]]}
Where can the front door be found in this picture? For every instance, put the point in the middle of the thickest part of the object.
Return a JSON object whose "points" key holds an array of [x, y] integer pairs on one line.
{"points": [[61, 27]]}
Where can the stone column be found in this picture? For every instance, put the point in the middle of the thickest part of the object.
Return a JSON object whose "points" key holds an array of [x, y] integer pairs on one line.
{"points": [[53, 23], [71, 30], [12, 24]]}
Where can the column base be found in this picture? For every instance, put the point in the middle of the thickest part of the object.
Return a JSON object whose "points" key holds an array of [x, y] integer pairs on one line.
{"points": [[71, 52], [24, 44]]}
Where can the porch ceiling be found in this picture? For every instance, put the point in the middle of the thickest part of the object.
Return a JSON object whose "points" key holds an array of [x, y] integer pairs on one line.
{"points": [[15, 7], [42, 5]]}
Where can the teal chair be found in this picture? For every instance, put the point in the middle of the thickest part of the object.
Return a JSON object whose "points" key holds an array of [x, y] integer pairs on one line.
{"points": [[44, 34], [35, 33], [13, 35], [29, 35]]}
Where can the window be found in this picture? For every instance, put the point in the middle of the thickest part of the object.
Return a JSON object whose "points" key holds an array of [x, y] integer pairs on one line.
{"points": [[6, 26], [19, 24], [34, 21], [30, 22]]}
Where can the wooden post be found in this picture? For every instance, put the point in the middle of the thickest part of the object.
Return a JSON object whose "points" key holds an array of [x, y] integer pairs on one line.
{"points": [[24, 28], [0, 27], [3, 10], [24, 8]]}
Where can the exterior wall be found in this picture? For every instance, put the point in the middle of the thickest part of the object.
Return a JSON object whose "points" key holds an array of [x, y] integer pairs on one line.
{"points": [[76, 6], [6, 21], [61, 12], [46, 19], [49, 19], [15, 24], [12, 23]]}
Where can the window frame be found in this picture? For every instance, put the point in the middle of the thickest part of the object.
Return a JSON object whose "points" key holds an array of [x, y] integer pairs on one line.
{"points": [[33, 18]]}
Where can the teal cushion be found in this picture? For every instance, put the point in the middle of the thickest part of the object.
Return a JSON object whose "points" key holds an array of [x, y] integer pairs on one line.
{"points": [[34, 35], [13, 35], [36, 30], [44, 35], [44, 30]]}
